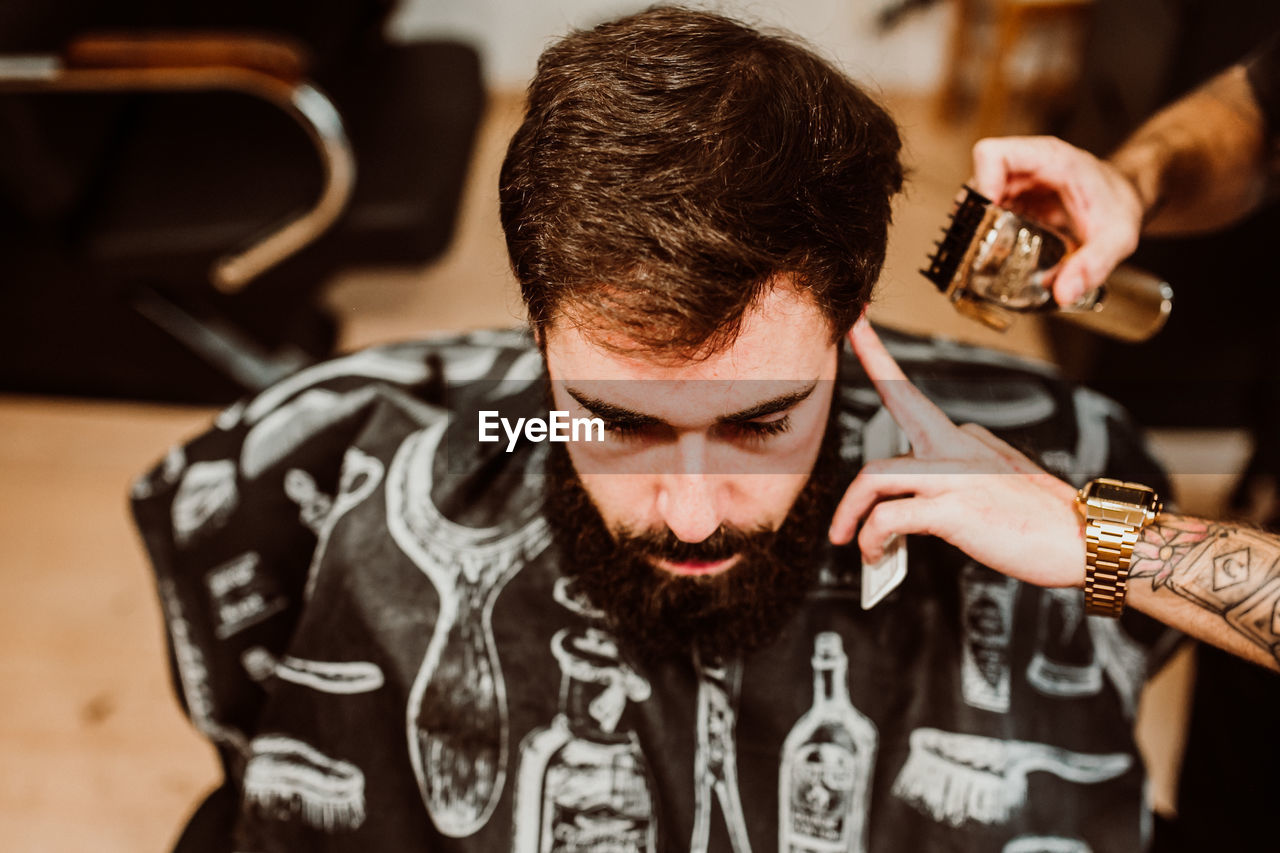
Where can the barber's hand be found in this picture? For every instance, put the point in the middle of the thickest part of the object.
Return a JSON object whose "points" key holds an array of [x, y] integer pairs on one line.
{"points": [[1069, 189], [961, 484]]}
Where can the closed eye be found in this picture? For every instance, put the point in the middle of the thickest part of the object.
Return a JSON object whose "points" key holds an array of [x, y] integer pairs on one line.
{"points": [[634, 429], [738, 431], [754, 431]]}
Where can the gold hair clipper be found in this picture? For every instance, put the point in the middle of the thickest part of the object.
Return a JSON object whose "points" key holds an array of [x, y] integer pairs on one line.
{"points": [[994, 264]]}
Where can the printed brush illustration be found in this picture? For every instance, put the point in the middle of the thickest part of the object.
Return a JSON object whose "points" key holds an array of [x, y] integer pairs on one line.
{"points": [[287, 777], [457, 710], [956, 778]]}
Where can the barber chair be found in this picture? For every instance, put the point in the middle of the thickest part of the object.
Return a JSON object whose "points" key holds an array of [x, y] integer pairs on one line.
{"points": [[175, 191]]}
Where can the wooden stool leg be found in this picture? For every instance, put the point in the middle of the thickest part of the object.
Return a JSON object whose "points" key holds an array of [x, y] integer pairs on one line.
{"points": [[949, 93], [995, 88]]}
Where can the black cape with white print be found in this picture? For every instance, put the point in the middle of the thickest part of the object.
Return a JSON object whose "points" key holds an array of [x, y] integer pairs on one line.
{"points": [[367, 617]]}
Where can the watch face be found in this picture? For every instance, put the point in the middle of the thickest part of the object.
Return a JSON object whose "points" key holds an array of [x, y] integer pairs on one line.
{"points": [[1113, 491]]}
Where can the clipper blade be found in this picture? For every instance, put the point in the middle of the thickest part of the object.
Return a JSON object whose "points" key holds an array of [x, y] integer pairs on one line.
{"points": [[966, 221]]}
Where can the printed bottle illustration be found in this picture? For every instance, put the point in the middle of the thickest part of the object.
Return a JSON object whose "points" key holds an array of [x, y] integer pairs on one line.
{"points": [[987, 599], [824, 782], [583, 783]]}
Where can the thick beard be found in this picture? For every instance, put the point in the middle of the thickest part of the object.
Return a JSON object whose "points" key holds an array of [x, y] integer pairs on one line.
{"points": [[655, 614]]}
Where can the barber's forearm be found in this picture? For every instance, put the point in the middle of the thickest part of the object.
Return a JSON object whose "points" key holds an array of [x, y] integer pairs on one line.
{"points": [[1200, 164], [1217, 582]]}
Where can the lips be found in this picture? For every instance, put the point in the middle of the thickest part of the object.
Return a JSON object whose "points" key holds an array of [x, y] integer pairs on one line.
{"points": [[697, 568]]}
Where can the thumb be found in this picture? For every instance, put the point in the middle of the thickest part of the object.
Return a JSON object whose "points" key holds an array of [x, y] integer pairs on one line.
{"points": [[1083, 270]]}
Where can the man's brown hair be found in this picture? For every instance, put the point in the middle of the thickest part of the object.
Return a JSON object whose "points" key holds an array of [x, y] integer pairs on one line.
{"points": [[672, 163]]}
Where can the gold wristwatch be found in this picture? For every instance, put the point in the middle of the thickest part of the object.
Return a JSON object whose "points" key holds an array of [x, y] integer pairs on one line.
{"points": [[1114, 513]]}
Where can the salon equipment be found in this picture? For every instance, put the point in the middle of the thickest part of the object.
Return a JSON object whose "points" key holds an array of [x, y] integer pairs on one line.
{"points": [[993, 264], [179, 181]]}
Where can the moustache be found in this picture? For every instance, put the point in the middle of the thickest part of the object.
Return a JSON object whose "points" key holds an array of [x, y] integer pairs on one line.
{"points": [[725, 542]]}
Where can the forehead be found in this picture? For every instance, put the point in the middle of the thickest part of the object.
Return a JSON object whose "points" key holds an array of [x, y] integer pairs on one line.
{"points": [[783, 336]]}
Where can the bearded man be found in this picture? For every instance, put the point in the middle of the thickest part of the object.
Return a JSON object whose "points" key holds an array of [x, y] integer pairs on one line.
{"points": [[404, 634]]}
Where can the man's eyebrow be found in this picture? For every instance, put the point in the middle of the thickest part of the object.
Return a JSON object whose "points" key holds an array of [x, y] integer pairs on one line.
{"points": [[610, 412], [619, 414], [770, 407]]}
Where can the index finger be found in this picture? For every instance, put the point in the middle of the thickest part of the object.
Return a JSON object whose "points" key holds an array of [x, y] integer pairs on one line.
{"points": [[924, 423], [990, 174], [1000, 163]]}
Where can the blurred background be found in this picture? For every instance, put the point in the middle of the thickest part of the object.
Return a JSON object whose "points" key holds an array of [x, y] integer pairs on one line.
{"points": [[197, 199]]}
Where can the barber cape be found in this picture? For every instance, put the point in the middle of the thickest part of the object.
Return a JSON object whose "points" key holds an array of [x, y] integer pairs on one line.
{"points": [[367, 617]]}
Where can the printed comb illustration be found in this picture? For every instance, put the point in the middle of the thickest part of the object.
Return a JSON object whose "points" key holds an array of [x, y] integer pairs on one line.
{"points": [[955, 778]]}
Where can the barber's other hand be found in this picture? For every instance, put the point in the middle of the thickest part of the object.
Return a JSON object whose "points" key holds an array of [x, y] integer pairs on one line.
{"points": [[960, 484], [1069, 189]]}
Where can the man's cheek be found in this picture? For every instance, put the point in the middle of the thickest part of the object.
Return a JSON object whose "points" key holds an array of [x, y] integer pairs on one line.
{"points": [[620, 499], [763, 500]]}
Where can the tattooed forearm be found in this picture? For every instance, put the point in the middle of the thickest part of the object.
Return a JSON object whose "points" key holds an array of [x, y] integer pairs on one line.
{"points": [[1201, 162], [1231, 572]]}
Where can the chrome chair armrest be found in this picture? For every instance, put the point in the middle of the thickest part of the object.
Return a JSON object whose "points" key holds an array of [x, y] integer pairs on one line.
{"points": [[270, 69]]}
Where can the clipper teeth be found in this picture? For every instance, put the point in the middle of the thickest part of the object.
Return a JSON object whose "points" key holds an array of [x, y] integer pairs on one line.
{"points": [[964, 220]]}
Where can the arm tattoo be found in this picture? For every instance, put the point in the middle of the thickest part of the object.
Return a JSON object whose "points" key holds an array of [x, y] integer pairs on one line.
{"points": [[1230, 570]]}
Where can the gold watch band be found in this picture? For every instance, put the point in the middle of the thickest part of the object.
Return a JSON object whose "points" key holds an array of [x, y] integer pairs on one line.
{"points": [[1108, 553]]}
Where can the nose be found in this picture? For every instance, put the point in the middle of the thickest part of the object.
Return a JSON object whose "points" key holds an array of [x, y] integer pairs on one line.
{"points": [[687, 506], [686, 498]]}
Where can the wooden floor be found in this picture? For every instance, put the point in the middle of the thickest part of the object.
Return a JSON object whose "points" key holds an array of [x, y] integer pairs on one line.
{"points": [[95, 754]]}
